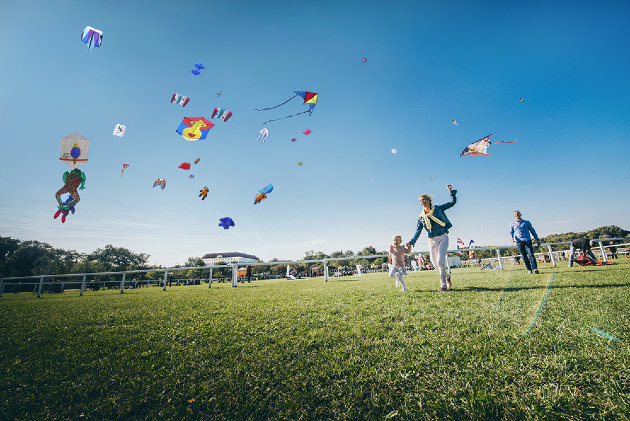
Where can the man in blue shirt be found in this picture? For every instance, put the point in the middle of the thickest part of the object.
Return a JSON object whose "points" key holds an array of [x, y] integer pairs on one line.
{"points": [[519, 230]]}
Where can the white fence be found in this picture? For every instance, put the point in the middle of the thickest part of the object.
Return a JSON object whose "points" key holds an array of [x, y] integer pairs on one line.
{"points": [[39, 281]]}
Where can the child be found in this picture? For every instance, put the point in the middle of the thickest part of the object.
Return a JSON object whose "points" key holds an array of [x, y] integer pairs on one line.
{"points": [[397, 261]]}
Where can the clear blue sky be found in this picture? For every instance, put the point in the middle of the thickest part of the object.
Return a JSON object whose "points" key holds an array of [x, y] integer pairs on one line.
{"points": [[427, 63]]}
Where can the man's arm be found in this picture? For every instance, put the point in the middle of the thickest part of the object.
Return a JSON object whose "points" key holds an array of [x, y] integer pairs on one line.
{"points": [[533, 231]]}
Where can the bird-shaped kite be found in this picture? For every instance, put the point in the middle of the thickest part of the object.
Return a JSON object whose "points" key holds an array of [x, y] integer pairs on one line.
{"points": [[226, 222], [310, 99], [263, 193], [203, 193], [479, 147], [160, 182]]}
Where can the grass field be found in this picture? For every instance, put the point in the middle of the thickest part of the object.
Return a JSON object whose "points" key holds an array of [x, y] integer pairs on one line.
{"points": [[501, 345]]}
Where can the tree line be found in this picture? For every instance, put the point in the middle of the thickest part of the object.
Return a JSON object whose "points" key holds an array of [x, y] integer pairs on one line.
{"points": [[26, 258]]}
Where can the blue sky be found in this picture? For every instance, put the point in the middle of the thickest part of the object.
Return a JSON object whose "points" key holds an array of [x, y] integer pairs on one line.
{"points": [[427, 63]]}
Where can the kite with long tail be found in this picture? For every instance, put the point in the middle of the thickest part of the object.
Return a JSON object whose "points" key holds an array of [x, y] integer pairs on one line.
{"points": [[310, 99], [479, 147]]}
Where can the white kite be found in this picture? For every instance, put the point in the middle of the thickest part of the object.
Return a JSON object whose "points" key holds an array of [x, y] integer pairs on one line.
{"points": [[119, 130]]}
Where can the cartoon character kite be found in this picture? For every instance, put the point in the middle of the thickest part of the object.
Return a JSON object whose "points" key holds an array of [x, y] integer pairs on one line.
{"points": [[263, 193], [203, 193], [180, 99], [222, 113], [74, 152], [160, 182], [194, 128], [65, 210], [310, 99], [479, 147], [119, 130], [92, 37], [226, 222]]}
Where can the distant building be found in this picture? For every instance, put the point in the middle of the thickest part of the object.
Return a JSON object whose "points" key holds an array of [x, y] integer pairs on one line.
{"points": [[229, 257]]}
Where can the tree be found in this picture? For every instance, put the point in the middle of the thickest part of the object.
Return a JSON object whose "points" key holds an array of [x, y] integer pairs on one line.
{"points": [[117, 259]]}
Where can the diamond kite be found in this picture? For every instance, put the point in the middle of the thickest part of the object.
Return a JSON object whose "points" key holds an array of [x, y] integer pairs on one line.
{"points": [[226, 222], [479, 147], [263, 193], [180, 99], [310, 99], [185, 166], [222, 113], [92, 37], [194, 128]]}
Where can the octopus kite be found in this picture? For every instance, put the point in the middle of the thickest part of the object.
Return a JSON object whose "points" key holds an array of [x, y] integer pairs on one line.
{"points": [[72, 180]]}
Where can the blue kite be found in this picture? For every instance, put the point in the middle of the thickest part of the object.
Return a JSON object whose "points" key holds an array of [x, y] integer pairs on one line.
{"points": [[226, 222]]}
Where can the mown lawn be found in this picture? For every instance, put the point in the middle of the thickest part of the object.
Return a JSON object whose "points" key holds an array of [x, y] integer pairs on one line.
{"points": [[351, 348]]}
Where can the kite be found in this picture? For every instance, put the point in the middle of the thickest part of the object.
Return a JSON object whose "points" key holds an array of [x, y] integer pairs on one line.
{"points": [[184, 166], [300, 164], [125, 166], [363, 60], [584, 260], [203, 193], [263, 134], [226, 222], [92, 37], [454, 122], [307, 132], [222, 113], [191, 176], [180, 99], [394, 151], [72, 180], [218, 94], [293, 140], [195, 72], [65, 209], [522, 99], [119, 130], [263, 193], [196, 160], [310, 99], [200, 66], [74, 149], [479, 147], [194, 128], [160, 182]]}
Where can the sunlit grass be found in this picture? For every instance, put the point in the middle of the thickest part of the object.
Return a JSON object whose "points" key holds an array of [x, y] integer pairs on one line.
{"points": [[351, 348]]}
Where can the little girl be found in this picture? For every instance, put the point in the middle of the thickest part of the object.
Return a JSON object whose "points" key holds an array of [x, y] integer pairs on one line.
{"points": [[397, 261]]}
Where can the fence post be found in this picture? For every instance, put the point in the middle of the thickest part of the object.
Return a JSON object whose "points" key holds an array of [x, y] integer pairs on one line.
{"points": [[122, 283], [210, 279], [39, 290], [82, 286], [1, 288], [164, 281], [601, 248], [499, 257], [325, 271], [234, 276], [553, 259]]}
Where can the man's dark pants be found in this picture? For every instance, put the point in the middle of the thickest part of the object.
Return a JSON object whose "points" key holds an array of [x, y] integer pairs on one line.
{"points": [[527, 251]]}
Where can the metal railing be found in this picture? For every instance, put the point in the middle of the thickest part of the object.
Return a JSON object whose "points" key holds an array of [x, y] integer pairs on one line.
{"points": [[39, 284]]}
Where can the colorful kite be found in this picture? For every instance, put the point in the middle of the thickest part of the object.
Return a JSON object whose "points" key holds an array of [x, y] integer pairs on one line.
{"points": [[92, 37], [74, 152], [522, 99], [194, 128], [203, 193], [125, 166], [160, 182], [310, 99], [479, 147], [454, 122], [180, 99], [184, 166], [65, 209], [364, 60], [72, 180], [196, 160], [263, 193], [119, 130], [226, 222], [222, 113], [74, 149]]}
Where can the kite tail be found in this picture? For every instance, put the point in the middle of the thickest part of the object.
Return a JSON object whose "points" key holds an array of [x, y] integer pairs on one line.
{"points": [[292, 115], [505, 141], [271, 108]]}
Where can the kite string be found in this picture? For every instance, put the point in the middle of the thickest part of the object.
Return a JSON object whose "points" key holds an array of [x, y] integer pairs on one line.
{"points": [[282, 118], [271, 108]]}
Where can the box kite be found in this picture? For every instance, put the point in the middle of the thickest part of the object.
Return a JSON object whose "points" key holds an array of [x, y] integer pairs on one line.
{"points": [[310, 99]]}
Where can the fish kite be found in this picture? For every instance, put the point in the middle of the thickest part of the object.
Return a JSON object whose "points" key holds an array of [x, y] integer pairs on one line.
{"points": [[119, 130], [203, 193], [160, 182], [263, 134], [194, 128], [184, 166], [263, 193], [92, 37], [180, 99], [310, 99], [479, 147], [125, 166], [226, 222], [222, 113]]}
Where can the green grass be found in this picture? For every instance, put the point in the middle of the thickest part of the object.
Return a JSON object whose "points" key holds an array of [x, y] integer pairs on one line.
{"points": [[351, 348]]}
